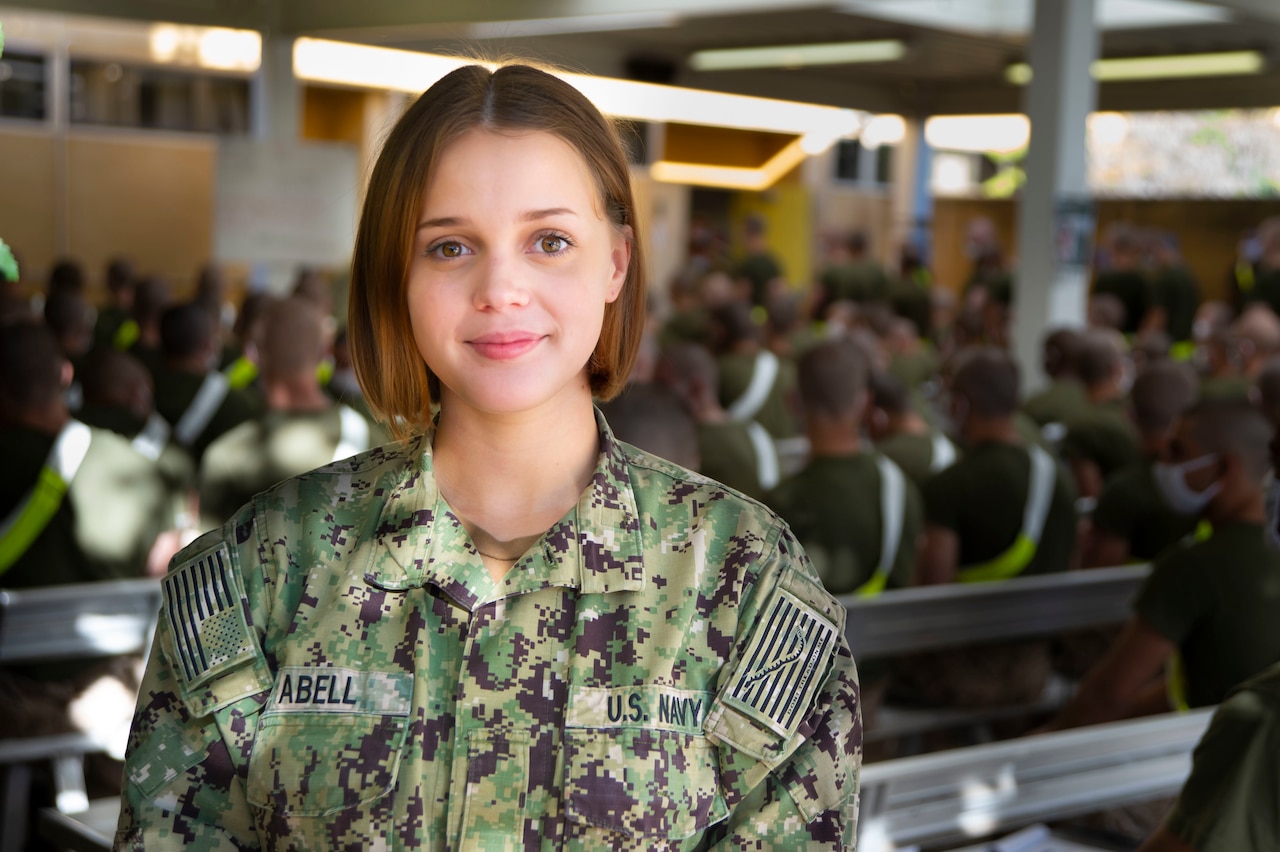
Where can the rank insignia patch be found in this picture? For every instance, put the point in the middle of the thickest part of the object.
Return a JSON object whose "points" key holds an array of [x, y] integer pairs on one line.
{"points": [[206, 616], [783, 665]]}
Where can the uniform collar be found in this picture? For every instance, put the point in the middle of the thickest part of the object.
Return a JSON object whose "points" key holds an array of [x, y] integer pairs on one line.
{"points": [[595, 548]]}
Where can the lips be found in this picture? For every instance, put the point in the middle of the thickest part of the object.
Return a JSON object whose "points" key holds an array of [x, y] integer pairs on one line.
{"points": [[504, 345]]}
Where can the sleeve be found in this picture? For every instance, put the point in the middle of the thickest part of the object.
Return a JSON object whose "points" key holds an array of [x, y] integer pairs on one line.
{"points": [[1171, 598], [206, 682], [1231, 800], [788, 721]]}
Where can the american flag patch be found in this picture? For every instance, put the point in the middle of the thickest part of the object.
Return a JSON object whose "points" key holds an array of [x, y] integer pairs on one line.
{"points": [[784, 662], [202, 605]]}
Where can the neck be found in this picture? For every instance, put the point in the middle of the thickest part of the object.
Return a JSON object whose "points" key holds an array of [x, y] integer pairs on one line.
{"points": [[1104, 392], [46, 419], [1244, 506], [294, 392], [194, 364], [907, 423], [510, 477], [833, 436], [978, 430]]}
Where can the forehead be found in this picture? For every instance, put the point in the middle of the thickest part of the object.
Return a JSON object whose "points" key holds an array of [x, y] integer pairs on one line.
{"points": [[484, 167]]}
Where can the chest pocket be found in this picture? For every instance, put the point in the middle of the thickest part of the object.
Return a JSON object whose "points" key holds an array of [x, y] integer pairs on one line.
{"points": [[312, 764], [641, 782]]}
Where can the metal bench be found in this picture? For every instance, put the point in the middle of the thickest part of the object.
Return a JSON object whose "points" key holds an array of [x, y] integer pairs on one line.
{"points": [[80, 621], [968, 793]]}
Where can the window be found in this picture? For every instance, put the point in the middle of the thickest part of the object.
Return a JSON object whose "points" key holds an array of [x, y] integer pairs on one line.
{"points": [[862, 165], [120, 95], [22, 85]]}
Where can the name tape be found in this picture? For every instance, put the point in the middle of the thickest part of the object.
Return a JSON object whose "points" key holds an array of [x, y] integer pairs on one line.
{"points": [[638, 707], [328, 689]]}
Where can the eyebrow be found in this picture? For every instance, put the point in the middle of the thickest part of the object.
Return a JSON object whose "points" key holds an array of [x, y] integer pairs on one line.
{"points": [[527, 216]]}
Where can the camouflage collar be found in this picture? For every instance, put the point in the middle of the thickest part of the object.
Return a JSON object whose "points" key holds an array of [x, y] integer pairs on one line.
{"points": [[596, 547]]}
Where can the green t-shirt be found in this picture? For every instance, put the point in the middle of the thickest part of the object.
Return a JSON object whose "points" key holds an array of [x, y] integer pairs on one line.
{"points": [[1176, 291], [1130, 507], [775, 414], [1231, 800], [729, 457], [759, 270], [1217, 600], [258, 453], [174, 393], [1062, 400], [856, 281], [1103, 434], [982, 499], [912, 453], [1226, 387], [1266, 288], [916, 368], [833, 506], [911, 300], [1132, 289], [685, 327]]}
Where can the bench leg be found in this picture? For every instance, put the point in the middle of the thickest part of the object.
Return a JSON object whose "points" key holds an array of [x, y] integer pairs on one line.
{"points": [[17, 793]]}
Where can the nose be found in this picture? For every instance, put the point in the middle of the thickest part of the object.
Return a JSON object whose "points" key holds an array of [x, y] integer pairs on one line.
{"points": [[499, 284]]}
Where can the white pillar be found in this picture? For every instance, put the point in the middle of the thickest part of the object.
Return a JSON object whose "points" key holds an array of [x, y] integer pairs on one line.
{"points": [[275, 97], [1055, 218]]}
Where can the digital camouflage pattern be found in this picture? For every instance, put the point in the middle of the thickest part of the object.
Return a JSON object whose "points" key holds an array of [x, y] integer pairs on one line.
{"points": [[335, 669]]}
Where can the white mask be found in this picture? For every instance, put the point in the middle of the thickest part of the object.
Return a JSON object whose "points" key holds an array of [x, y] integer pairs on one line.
{"points": [[1171, 480], [1271, 500]]}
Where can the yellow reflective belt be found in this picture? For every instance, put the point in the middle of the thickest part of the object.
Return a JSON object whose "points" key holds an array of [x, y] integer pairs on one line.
{"points": [[1007, 565], [1176, 684], [126, 335], [241, 373], [874, 586], [1183, 350], [324, 373], [1204, 531], [1244, 277], [39, 510]]}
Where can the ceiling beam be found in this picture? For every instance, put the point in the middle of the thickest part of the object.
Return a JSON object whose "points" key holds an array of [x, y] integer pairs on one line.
{"points": [[1261, 10], [239, 14]]}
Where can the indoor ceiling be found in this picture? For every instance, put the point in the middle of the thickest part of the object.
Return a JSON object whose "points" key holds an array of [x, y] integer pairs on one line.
{"points": [[955, 60]]}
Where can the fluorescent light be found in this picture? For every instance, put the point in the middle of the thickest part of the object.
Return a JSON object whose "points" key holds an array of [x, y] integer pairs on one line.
{"points": [[1161, 67], [341, 63], [979, 133], [884, 129], [798, 55], [207, 47]]}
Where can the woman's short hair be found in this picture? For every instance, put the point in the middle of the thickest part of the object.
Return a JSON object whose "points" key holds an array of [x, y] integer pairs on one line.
{"points": [[396, 382]]}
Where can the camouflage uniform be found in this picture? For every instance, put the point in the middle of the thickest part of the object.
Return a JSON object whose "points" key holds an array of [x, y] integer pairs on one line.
{"points": [[335, 669]]}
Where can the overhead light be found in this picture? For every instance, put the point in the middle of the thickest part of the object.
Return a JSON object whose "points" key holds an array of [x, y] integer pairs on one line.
{"points": [[979, 133], [341, 63], [731, 177], [1230, 63], [207, 47], [884, 129], [798, 55], [572, 24]]}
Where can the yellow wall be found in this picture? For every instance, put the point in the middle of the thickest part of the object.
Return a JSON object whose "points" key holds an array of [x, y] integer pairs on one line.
{"points": [[787, 210], [28, 215]]}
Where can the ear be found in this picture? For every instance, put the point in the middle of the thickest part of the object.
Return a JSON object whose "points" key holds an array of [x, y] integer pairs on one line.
{"points": [[620, 260], [66, 374]]}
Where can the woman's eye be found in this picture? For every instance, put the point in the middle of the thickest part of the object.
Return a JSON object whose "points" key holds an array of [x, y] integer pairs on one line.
{"points": [[552, 244], [448, 250]]}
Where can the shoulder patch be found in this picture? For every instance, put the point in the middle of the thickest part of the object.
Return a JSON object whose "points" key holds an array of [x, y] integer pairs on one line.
{"points": [[783, 665], [205, 610]]}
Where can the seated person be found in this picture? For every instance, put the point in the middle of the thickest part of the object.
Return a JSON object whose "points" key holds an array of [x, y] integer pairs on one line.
{"points": [[302, 427], [739, 454], [1207, 610], [1005, 509], [1064, 396], [1100, 439], [858, 543], [755, 384], [899, 432], [1228, 803], [1132, 521]]}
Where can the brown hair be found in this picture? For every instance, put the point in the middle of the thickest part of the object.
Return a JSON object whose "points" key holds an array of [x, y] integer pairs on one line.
{"points": [[396, 382]]}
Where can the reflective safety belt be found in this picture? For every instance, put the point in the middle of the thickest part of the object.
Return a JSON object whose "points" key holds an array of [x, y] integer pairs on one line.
{"points": [[944, 453], [893, 507], [1176, 683], [151, 441], [763, 375], [126, 335], [30, 517], [241, 373], [197, 416], [1245, 277], [354, 436], [767, 469], [1013, 561]]}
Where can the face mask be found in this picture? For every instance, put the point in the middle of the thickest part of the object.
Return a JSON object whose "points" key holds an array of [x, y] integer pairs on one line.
{"points": [[1171, 480], [1272, 503]]}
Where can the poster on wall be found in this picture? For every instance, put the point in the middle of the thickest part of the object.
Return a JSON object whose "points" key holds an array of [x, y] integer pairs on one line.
{"points": [[282, 205]]}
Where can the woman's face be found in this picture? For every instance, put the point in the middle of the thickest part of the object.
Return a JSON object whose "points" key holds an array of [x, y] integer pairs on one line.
{"points": [[513, 265]]}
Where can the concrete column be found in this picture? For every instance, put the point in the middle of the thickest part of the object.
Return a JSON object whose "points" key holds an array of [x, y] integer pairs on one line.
{"points": [[1055, 216], [275, 97]]}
